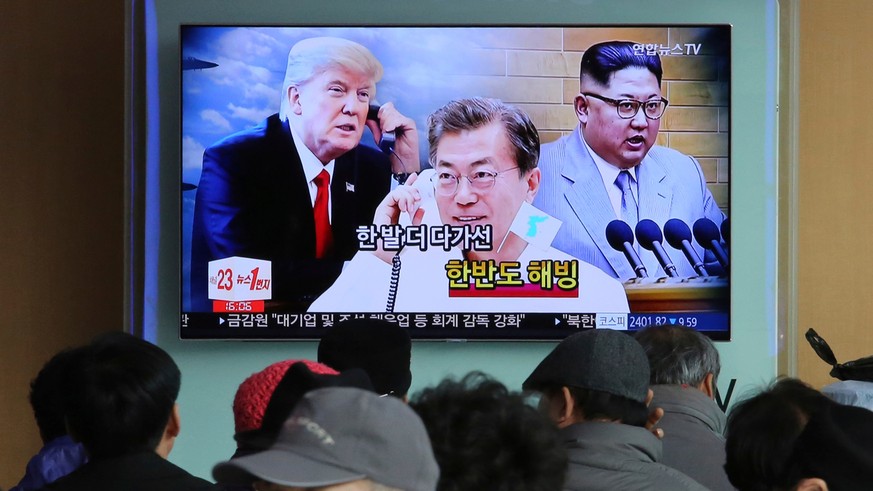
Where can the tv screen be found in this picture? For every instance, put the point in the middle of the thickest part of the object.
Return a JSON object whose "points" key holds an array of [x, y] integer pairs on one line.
{"points": [[465, 182]]}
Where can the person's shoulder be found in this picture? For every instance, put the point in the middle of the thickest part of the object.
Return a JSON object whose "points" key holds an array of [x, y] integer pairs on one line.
{"points": [[194, 483], [668, 155], [367, 156], [137, 472], [177, 478], [586, 270], [79, 479], [555, 147], [368, 152], [249, 137], [681, 168], [672, 479]]}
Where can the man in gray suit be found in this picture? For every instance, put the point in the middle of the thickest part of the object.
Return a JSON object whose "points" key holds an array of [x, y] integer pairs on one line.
{"points": [[610, 168]]}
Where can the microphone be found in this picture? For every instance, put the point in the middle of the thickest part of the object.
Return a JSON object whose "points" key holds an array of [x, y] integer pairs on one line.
{"points": [[706, 233], [650, 237], [621, 238], [726, 231], [679, 236]]}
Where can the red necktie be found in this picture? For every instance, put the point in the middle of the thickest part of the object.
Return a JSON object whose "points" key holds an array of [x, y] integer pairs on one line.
{"points": [[323, 233]]}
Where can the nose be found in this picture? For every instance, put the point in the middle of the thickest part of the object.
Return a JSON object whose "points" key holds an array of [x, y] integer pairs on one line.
{"points": [[640, 121], [351, 104], [465, 195]]}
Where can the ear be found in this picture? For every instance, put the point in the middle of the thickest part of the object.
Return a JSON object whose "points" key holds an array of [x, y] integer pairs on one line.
{"points": [[294, 100], [580, 104], [707, 386], [811, 484], [564, 408], [174, 424], [171, 431], [533, 184]]}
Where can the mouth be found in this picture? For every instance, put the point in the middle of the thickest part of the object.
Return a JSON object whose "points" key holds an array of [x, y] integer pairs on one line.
{"points": [[469, 219], [346, 127], [636, 140]]}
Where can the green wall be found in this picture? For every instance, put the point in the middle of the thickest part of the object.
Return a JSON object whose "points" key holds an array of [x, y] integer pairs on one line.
{"points": [[212, 370]]}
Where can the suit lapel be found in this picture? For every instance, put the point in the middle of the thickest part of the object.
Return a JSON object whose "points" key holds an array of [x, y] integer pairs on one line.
{"points": [[299, 209], [342, 188], [655, 195], [654, 204], [589, 201]]}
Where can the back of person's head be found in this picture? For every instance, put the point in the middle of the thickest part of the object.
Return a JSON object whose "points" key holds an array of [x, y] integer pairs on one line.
{"points": [[341, 435], [254, 393], [122, 395], [762, 431], [266, 398], [606, 373], [48, 392], [679, 355], [485, 437], [602, 60], [380, 348], [836, 446]]}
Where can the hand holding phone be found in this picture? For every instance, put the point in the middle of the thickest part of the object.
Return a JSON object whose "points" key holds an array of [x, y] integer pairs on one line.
{"points": [[385, 140], [397, 137], [409, 204], [425, 210]]}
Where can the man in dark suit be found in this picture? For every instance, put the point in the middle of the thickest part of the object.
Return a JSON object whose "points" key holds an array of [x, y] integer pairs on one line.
{"points": [[609, 167], [293, 189]]}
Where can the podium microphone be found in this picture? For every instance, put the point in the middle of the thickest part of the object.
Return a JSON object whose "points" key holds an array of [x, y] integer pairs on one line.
{"points": [[650, 236], [679, 236], [621, 238], [706, 233]]}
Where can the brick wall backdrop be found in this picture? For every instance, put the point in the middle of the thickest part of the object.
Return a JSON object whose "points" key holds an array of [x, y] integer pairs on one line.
{"points": [[538, 70]]}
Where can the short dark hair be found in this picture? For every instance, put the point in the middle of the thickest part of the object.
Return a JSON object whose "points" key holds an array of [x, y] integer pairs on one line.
{"points": [[597, 404], [380, 348], [600, 61], [470, 114], [123, 393], [679, 355], [48, 392], [762, 431], [485, 437]]}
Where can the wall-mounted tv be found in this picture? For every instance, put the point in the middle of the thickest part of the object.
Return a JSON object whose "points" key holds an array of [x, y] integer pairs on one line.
{"points": [[527, 182]]}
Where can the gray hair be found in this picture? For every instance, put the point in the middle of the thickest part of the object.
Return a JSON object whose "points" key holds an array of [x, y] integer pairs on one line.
{"points": [[679, 355], [470, 114], [311, 57]]}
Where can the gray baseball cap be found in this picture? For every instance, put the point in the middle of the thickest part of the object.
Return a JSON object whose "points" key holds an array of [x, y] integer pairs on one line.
{"points": [[338, 435], [597, 359]]}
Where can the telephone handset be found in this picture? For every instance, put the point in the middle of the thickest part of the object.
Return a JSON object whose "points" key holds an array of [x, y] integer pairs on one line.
{"points": [[386, 143], [431, 217], [425, 188]]}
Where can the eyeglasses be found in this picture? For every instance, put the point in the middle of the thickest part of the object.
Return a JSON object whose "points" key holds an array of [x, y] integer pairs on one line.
{"points": [[446, 184], [628, 108]]}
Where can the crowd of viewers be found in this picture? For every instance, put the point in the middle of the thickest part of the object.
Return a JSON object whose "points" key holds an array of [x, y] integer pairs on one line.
{"points": [[603, 411]]}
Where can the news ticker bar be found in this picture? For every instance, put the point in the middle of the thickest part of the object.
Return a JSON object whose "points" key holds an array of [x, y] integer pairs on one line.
{"points": [[709, 321]]}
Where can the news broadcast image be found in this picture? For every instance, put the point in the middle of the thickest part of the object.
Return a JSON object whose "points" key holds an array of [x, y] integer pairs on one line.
{"points": [[559, 195]]}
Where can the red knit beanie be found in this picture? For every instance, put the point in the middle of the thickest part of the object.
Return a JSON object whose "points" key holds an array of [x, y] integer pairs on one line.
{"points": [[255, 392]]}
